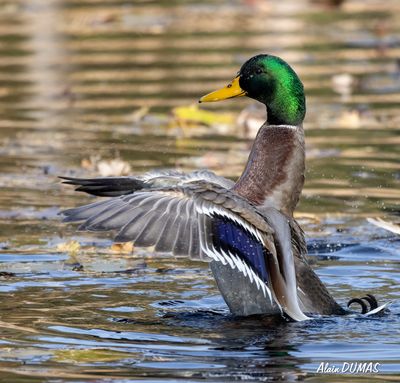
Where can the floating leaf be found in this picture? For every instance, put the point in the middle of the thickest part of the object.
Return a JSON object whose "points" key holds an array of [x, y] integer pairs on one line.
{"points": [[138, 114], [106, 168], [115, 167], [122, 248], [70, 247], [193, 114]]}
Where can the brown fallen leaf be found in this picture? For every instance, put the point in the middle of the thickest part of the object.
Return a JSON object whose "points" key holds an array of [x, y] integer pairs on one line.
{"points": [[123, 248]]}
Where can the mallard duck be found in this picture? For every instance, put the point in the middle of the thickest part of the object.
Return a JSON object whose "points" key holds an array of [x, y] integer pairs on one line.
{"points": [[245, 229]]}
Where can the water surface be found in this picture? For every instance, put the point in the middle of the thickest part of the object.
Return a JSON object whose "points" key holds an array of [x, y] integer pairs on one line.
{"points": [[83, 82]]}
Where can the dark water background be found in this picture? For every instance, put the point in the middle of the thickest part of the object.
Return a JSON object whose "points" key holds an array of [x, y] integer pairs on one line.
{"points": [[83, 82]]}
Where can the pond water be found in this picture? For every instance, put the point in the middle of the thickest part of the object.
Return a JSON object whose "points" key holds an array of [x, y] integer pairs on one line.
{"points": [[86, 82]]}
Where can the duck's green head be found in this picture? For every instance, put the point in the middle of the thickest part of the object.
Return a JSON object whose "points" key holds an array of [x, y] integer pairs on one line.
{"points": [[273, 82]]}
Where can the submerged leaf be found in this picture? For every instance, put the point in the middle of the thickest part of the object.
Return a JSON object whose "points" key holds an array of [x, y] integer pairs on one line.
{"points": [[89, 355]]}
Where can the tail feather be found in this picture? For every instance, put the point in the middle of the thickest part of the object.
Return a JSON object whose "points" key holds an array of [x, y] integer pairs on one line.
{"points": [[369, 298], [107, 186]]}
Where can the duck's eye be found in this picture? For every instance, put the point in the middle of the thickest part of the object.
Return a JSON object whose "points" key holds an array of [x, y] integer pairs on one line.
{"points": [[258, 71]]}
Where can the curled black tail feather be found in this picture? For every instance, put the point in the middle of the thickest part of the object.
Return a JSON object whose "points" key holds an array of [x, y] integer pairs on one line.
{"points": [[106, 186], [371, 300]]}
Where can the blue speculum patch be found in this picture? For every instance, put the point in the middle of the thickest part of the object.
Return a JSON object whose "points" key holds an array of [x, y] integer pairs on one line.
{"points": [[230, 236]]}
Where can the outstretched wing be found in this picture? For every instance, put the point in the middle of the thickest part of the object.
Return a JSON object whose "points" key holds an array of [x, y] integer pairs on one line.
{"points": [[177, 219], [188, 216], [116, 186]]}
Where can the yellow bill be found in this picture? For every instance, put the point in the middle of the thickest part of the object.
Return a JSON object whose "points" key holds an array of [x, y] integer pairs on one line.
{"points": [[230, 91]]}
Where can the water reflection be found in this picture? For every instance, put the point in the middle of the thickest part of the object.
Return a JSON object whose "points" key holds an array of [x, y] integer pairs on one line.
{"points": [[83, 83]]}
